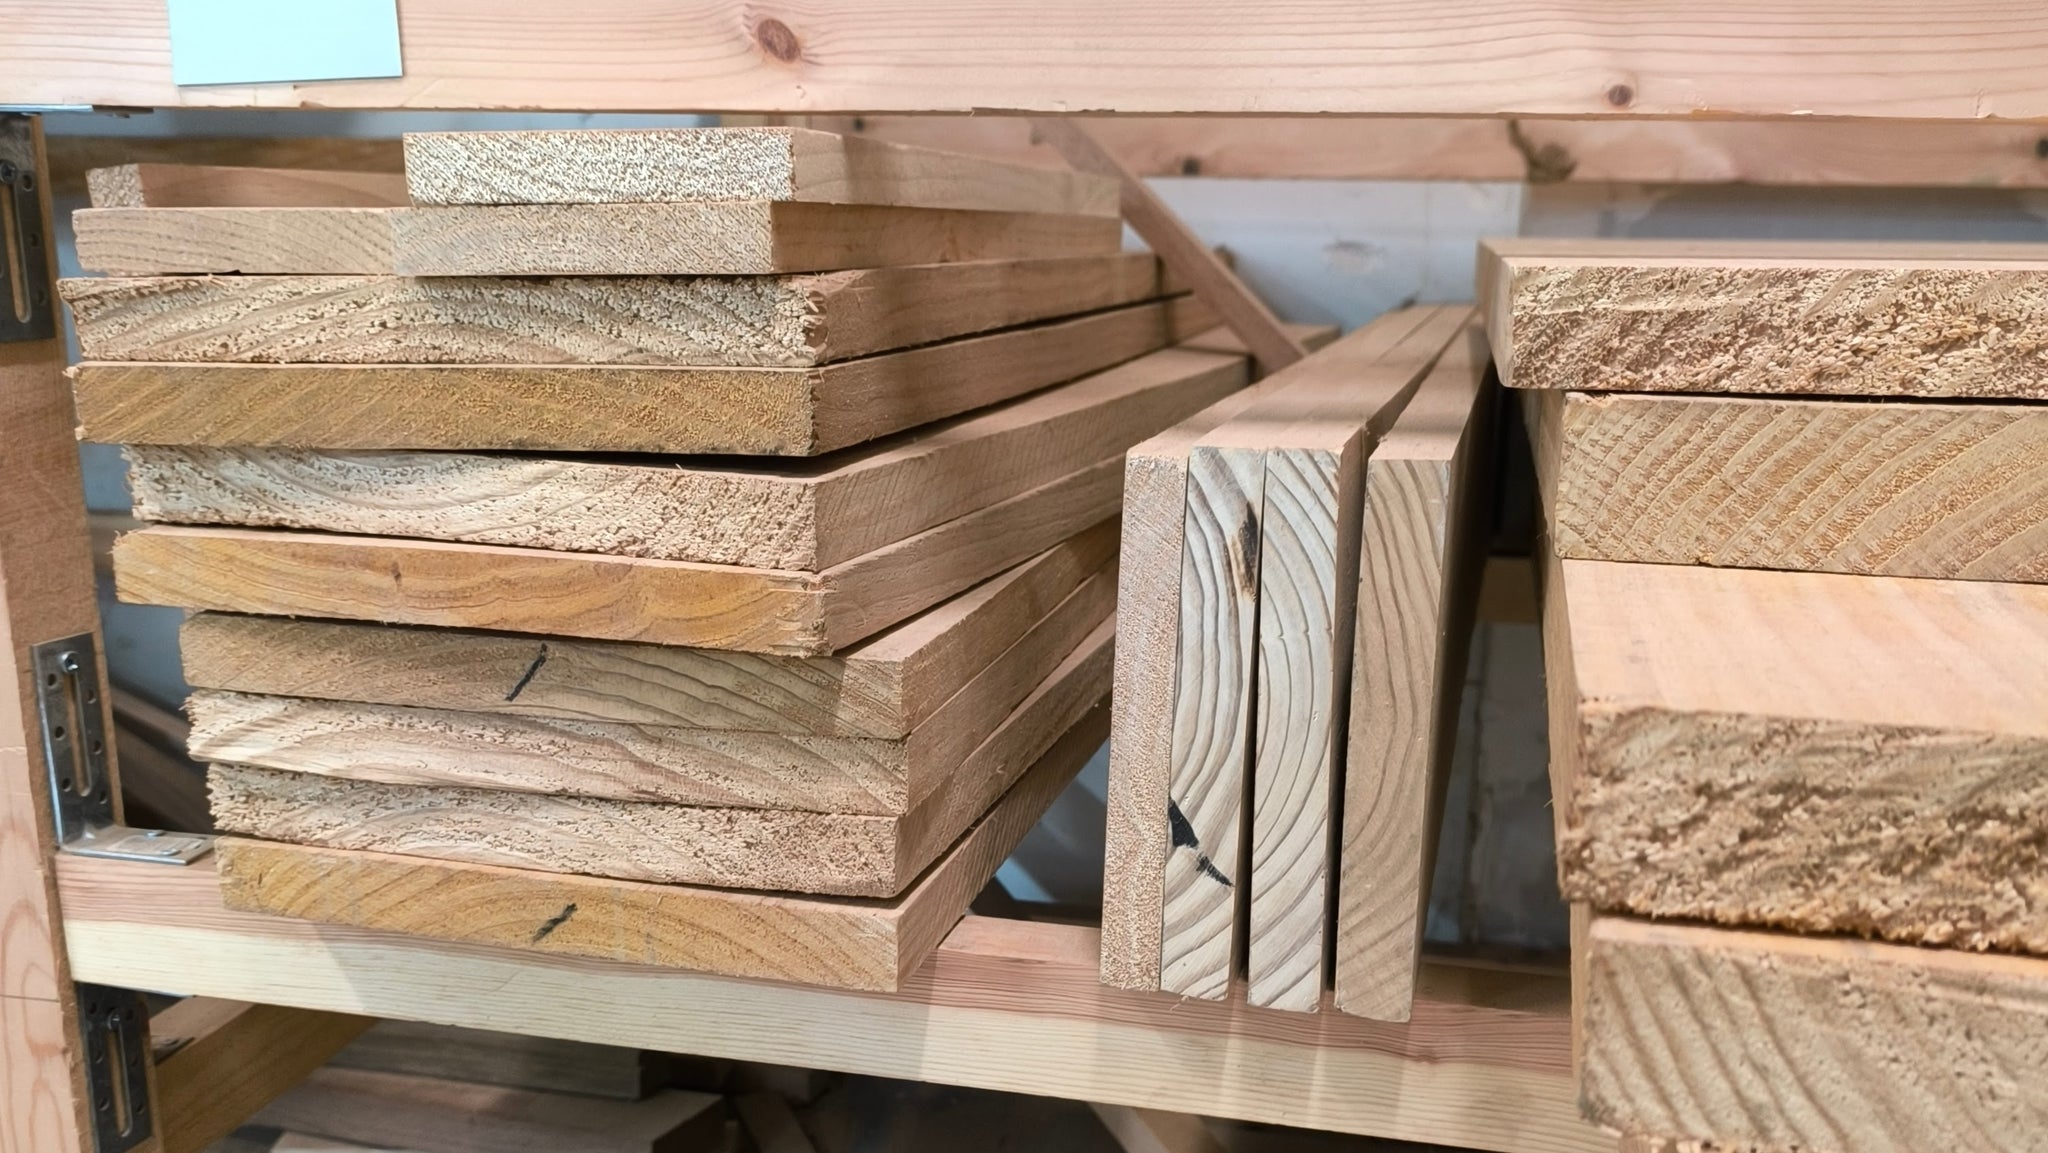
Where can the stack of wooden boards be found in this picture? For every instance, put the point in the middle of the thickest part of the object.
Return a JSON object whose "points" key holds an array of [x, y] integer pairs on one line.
{"points": [[1293, 606], [1797, 645], [579, 698]]}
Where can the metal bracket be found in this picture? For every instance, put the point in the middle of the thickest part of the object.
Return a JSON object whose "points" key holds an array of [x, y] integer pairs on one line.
{"points": [[25, 311], [113, 1024], [68, 703]]}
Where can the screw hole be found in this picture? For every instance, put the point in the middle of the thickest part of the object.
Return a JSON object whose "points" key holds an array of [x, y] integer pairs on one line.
{"points": [[98, 748], [50, 681], [57, 732], [28, 182]]}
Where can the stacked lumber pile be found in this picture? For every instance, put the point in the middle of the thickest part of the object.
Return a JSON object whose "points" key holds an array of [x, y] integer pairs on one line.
{"points": [[1298, 568], [1797, 645], [495, 649]]}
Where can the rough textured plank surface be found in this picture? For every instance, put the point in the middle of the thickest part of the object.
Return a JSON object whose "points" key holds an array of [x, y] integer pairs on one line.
{"points": [[1768, 317], [603, 597], [772, 321], [1826, 753], [651, 763], [1753, 1039], [1427, 489], [883, 687], [611, 408], [817, 941], [217, 186], [687, 164], [839, 854], [1952, 491], [801, 516], [705, 238]]}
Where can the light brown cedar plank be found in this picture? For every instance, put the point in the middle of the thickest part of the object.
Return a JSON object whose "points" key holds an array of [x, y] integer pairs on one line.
{"points": [[688, 164], [1952, 491], [1313, 438], [772, 321], [1762, 317], [607, 408], [1757, 1040], [1426, 487], [1820, 752], [219, 186], [1148, 611], [395, 744], [1221, 339], [602, 597], [838, 854], [224, 1060], [806, 518], [859, 944], [883, 687], [399, 1109], [707, 238]]}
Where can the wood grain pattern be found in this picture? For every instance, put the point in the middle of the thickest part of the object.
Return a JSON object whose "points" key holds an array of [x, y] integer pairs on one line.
{"points": [[705, 238], [610, 408], [846, 944], [789, 321], [882, 688], [647, 763], [392, 1109], [1768, 317], [71, 157], [220, 186], [1427, 486], [694, 164], [603, 597], [1819, 752], [231, 1059], [487, 1057], [1226, 57], [826, 853], [1950, 491], [1484, 1064], [1756, 1040], [800, 517]]}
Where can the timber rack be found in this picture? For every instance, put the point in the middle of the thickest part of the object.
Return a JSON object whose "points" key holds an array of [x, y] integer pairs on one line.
{"points": [[1792, 91]]}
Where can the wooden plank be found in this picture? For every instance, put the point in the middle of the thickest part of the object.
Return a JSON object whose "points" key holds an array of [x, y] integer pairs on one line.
{"points": [[800, 517], [216, 186], [779, 850], [884, 687], [229, 1058], [1314, 437], [493, 1058], [1484, 1064], [1221, 339], [704, 238], [1209, 868], [396, 1109], [1820, 752], [1179, 249], [1949, 491], [648, 763], [1428, 486], [791, 321], [71, 157], [603, 597], [1767, 317], [610, 408], [696, 164], [835, 942], [1216, 56], [771, 1123], [1829, 154], [1766, 1041]]}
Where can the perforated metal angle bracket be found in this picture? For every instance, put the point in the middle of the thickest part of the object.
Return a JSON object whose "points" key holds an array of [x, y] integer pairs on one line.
{"points": [[113, 1027], [68, 704], [26, 312]]}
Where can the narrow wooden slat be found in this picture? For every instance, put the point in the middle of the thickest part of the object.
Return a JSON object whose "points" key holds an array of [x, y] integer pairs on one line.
{"points": [[218, 186]]}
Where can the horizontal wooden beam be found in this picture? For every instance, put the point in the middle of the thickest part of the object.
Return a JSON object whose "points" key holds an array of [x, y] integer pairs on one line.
{"points": [[1455, 58], [1484, 1064]]}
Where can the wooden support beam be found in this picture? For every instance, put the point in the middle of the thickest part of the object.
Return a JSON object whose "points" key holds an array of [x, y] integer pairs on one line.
{"points": [[1195, 263], [1484, 1063], [225, 1060], [1233, 57]]}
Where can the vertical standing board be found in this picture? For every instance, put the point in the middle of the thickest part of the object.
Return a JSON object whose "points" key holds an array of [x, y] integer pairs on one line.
{"points": [[1206, 865], [1419, 556]]}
